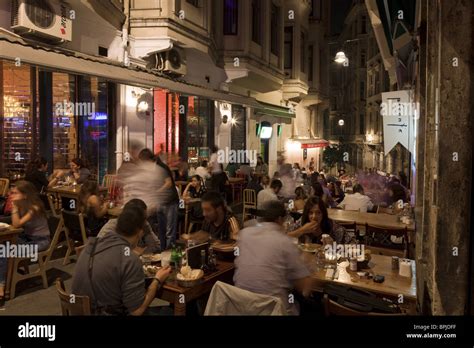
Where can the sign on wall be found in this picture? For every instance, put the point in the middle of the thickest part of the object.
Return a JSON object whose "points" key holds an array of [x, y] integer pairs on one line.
{"points": [[399, 112]]}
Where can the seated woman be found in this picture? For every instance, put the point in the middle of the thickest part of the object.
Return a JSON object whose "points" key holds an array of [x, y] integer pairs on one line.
{"points": [[266, 180], [300, 199], [92, 207], [315, 222], [78, 171], [28, 213], [195, 189]]}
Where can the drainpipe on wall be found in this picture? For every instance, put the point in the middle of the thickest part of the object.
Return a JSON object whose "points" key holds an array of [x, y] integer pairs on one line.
{"points": [[122, 131], [125, 31]]}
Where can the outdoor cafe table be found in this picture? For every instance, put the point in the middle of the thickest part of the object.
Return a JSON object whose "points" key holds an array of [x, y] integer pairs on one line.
{"points": [[383, 220], [180, 296], [9, 235], [394, 286], [72, 192]]}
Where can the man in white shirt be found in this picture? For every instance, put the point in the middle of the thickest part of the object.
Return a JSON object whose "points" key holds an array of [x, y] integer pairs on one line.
{"points": [[357, 201], [202, 171], [214, 161], [269, 194], [269, 263]]}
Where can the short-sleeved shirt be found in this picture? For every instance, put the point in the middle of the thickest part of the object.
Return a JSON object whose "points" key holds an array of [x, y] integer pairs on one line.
{"points": [[265, 196], [268, 263], [84, 174], [117, 275], [221, 232], [149, 241]]}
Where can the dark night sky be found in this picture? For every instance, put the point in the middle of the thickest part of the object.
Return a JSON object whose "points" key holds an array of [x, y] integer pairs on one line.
{"points": [[339, 10]]}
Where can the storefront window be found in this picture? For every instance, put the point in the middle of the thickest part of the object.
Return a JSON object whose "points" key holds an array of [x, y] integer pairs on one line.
{"points": [[19, 130], [198, 129], [64, 125], [93, 124]]}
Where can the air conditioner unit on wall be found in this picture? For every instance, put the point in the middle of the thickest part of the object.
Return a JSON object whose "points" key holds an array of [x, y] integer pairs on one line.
{"points": [[47, 19], [172, 62]]}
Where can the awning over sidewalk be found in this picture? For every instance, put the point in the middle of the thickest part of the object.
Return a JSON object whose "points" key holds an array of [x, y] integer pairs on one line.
{"points": [[312, 143], [273, 110], [57, 59]]}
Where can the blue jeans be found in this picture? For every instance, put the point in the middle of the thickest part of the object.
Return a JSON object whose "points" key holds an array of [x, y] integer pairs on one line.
{"points": [[167, 216], [42, 242]]}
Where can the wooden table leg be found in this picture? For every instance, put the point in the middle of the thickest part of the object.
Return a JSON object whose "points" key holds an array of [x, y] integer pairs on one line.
{"points": [[186, 219], [179, 308], [10, 264]]}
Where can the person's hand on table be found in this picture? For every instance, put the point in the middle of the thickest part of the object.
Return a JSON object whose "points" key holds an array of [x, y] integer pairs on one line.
{"points": [[163, 273]]}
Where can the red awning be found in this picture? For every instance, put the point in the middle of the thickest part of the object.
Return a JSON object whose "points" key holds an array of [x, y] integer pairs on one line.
{"points": [[312, 144]]}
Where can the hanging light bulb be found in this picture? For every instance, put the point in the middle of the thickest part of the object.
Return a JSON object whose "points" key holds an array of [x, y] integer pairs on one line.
{"points": [[340, 57]]}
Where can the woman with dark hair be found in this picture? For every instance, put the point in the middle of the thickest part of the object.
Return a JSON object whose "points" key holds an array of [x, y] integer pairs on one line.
{"points": [[28, 213], [265, 182], [36, 174], [195, 189], [318, 191], [78, 171], [300, 199], [92, 207], [315, 222]]}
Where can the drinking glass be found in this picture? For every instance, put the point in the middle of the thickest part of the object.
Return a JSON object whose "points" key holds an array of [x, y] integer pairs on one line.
{"points": [[165, 258]]}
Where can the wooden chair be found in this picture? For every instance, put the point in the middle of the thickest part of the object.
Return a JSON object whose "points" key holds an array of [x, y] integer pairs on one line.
{"points": [[4, 186], [351, 227], [109, 181], [73, 222], [234, 225], [332, 308], [79, 250], [80, 306], [55, 228], [250, 202], [384, 210], [54, 203], [379, 240]]}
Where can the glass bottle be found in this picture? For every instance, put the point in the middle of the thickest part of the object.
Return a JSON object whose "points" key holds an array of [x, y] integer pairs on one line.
{"points": [[204, 265]]}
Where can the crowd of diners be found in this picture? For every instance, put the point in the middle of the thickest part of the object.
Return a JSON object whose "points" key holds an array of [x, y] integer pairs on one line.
{"points": [[268, 263]]}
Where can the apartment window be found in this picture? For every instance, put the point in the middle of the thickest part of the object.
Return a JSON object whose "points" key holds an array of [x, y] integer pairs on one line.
{"points": [[231, 12], [362, 90], [257, 21], [303, 52], [275, 30], [363, 25], [195, 3], [310, 62], [316, 9], [104, 52], [288, 47], [362, 59]]}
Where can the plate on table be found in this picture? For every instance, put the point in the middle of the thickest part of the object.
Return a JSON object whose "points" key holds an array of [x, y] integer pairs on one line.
{"points": [[4, 226], [150, 258], [150, 271], [309, 247]]}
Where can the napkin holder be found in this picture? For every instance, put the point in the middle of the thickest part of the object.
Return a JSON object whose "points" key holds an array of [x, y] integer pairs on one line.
{"points": [[405, 268]]}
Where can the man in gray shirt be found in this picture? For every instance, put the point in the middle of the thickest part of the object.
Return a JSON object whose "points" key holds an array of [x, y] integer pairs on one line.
{"points": [[149, 243], [268, 262], [111, 274]]}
